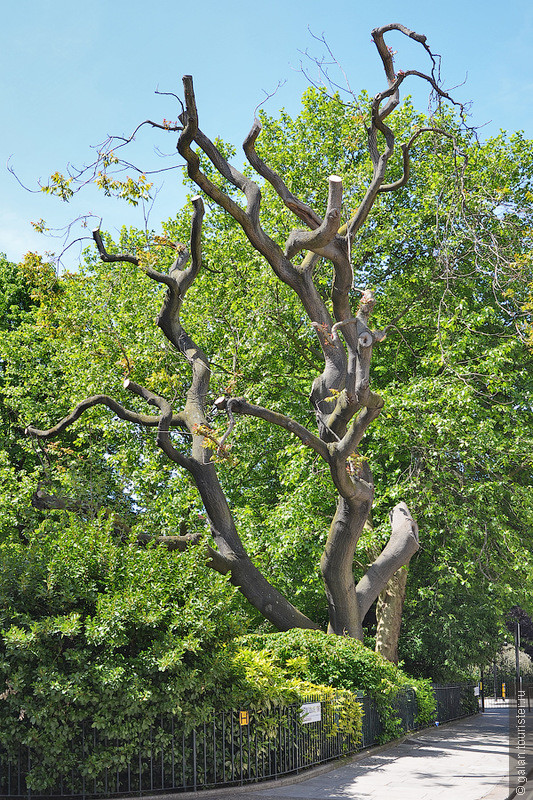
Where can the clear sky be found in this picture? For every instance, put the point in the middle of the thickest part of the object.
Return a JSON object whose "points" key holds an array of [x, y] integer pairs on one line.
{"points": [[72, 72]]}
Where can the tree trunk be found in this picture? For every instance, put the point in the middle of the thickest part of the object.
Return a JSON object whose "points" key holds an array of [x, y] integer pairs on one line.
{"points": [[389, 615]]}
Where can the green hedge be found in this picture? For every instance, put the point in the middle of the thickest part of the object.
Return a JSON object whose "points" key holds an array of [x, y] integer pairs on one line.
{"points": [[345, 663], [96, 629]]}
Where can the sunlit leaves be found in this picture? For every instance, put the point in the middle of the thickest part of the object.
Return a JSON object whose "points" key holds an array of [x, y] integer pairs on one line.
{"points": [[131, 190], [60, 186]]}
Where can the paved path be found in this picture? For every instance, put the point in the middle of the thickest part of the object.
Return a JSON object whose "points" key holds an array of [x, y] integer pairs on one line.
{"points": [[464, 760], [468, 760]]}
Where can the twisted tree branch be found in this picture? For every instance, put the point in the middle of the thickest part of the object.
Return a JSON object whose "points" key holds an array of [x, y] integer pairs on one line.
{"points": [[300, 209], [176, 420], [326, 232], [238, 405], [163, 436]]}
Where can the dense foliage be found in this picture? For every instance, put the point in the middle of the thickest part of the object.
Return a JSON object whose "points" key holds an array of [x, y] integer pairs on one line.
{"points": [[95, 629], [447, 256], [345, 663], [100, 631], [455, 440]]}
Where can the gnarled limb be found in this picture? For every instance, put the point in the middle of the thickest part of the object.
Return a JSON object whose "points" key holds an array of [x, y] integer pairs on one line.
{"points": [[326, 232], [387, 59], [163, 437], [356, 392], [188, 135], [380, 165], [238, 405], [400, 548], [300, 209], [394, 80], [176, 420], [110, 258], [352, 439], [249, 188], [406, 149], [249, 219]]}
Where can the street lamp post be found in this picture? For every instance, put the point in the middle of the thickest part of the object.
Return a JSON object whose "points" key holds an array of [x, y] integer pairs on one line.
{"points": [[517, 659]]}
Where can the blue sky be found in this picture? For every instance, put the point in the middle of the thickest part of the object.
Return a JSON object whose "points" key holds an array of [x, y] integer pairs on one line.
{"points": [[71, 73]]}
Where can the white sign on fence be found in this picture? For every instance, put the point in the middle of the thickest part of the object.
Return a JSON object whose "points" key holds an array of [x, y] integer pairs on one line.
{"points": [[310, 712], [476, 691]]}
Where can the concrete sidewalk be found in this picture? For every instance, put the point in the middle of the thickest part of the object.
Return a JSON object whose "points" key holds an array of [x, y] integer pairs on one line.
{"points": [[467, 760]]}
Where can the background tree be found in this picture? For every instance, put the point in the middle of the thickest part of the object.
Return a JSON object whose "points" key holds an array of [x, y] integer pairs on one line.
{"points": [[21, 289], [517, 614]]}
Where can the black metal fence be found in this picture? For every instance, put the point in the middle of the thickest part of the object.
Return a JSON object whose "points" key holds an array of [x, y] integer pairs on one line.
{"points": [[455, 701], [499, 692], [231, 749]]}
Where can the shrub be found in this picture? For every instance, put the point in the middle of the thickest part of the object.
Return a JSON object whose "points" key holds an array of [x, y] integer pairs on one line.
{"points": [[345, 663], [97, 630], [261, 684]]}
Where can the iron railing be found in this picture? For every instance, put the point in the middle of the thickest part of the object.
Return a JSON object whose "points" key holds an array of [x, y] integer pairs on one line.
{"points": [[455, 701], [494, 694], [222, 752]]}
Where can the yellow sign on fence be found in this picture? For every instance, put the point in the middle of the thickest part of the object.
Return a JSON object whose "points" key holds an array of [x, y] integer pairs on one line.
{"points": [[244, 717]]}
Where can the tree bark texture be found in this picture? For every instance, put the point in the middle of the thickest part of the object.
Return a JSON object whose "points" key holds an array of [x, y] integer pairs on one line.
{"points": [[389, 615]]}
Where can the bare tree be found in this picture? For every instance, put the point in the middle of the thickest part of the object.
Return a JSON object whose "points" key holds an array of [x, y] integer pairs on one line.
{"points": [[341, 396]]}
